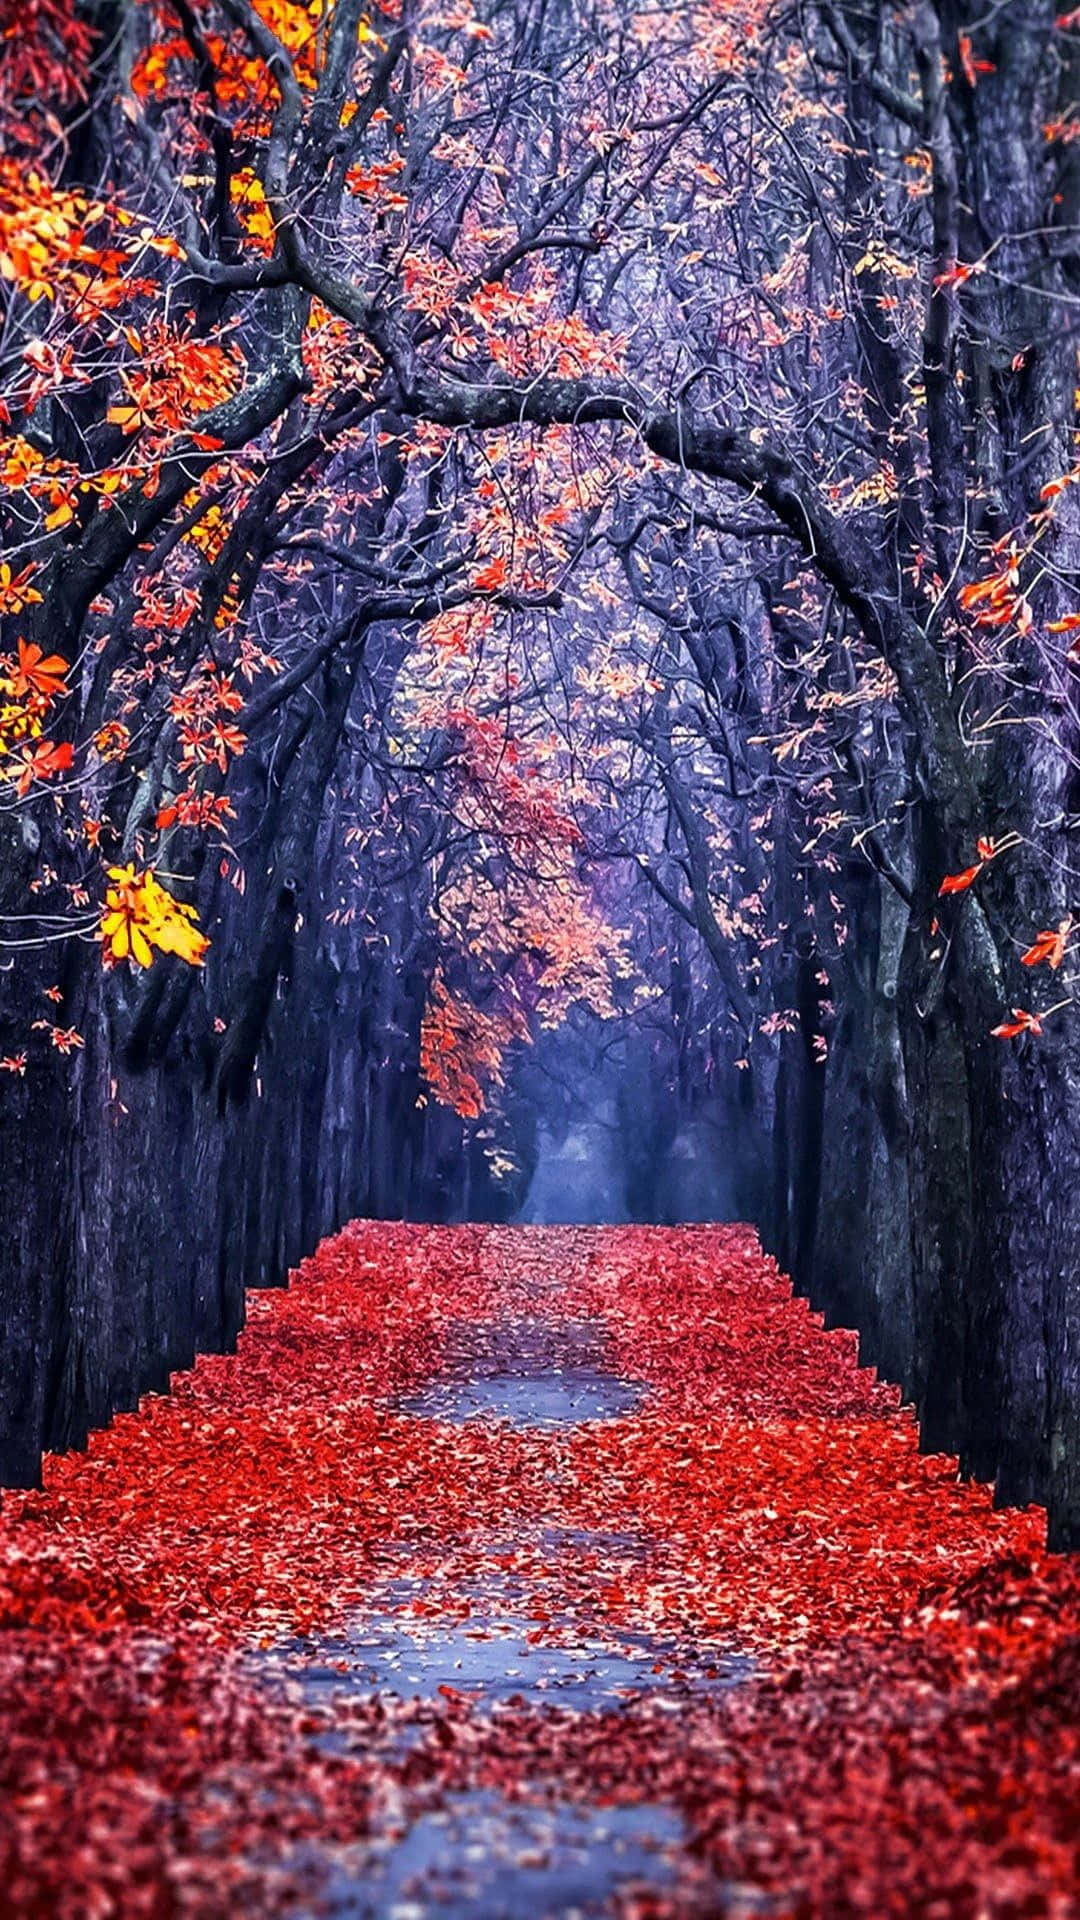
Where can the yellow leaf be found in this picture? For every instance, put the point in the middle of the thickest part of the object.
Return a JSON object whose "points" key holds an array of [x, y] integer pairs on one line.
{"points": [[141, 915]]}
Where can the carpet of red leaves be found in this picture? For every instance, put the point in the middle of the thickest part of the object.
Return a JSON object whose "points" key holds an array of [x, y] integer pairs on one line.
{"points": [[907, 1743]]}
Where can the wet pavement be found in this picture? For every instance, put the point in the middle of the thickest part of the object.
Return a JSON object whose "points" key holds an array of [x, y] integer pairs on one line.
{"points": [[546, 1400], [512, 1634], [481, 1854], [528, 1372]]}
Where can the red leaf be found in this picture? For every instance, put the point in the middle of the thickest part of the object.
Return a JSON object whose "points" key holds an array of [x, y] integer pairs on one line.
{"points": [[493, 576], [1049, 946], [959, 882], [43, 760], [1021, 1022]]}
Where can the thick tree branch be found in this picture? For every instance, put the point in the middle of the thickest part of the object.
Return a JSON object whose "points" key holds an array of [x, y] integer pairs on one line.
{"points": [[840, 553]]}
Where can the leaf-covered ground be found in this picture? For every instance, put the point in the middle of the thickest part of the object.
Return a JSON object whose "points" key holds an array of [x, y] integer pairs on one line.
{"points": [[693, 1630]]}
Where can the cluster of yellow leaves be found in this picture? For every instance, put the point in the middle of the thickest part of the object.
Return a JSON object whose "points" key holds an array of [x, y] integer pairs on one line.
{"points": [[879, 258], [16, 591], [296, 24], [42, 230], [210, 532], [140, 915], [163, 70], [48, 252], [252, 208], [874, 490], [57, 485]]}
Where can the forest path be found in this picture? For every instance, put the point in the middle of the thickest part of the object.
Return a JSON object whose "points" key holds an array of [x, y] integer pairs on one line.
{"points": [[532, 1571]]}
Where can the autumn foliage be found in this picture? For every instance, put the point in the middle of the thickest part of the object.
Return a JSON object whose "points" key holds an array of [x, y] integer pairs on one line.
{"points": [[141, 915], [211, 303], [528, 530]]}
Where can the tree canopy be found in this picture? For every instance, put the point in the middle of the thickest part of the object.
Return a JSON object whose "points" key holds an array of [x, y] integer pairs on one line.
{"points": [[565, 511]]}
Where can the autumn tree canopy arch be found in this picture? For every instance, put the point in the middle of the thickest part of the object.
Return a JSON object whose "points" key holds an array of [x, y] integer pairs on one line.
{"points": [[477, 479]]}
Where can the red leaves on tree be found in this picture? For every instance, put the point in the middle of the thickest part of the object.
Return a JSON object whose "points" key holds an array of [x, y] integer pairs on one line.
{"points": [[970, 67], [959, 882], [45, 51], [987, 850], [997, 601], [1022, 1022], [495, 575], [1049, 946], [42, 761], [462, 1048]]}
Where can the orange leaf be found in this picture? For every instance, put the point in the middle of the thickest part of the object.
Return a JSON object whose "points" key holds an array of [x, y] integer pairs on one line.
{"points": [[37, 674], [1048, 946]]}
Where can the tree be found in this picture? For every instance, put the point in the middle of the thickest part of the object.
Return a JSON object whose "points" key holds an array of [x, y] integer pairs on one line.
{"points": [[359, 361]]}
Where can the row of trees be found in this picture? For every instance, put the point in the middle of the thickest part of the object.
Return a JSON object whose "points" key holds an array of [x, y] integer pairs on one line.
{"points": [[533, 511]]}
